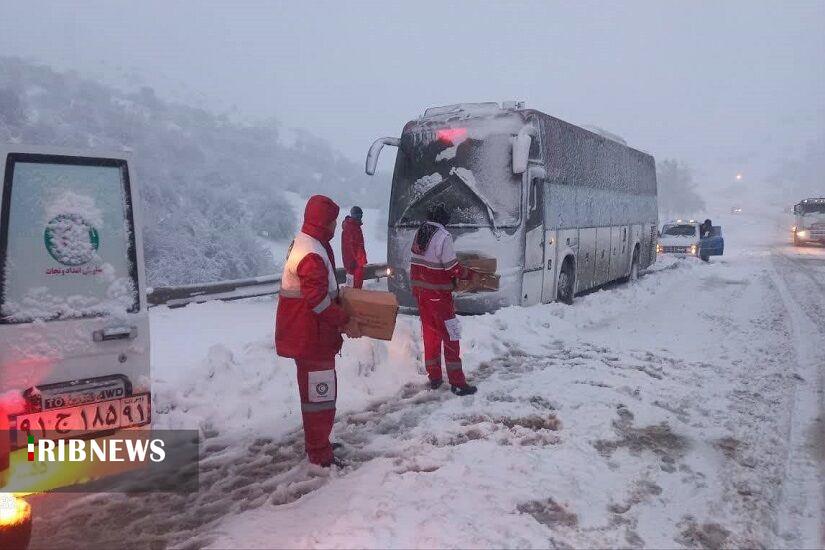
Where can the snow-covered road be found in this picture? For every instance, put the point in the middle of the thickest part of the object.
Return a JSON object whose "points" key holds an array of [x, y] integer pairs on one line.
{"points": [[683, 409]]}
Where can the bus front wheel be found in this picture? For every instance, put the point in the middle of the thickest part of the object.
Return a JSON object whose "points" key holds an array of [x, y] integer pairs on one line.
{"points": [[566, 280]]}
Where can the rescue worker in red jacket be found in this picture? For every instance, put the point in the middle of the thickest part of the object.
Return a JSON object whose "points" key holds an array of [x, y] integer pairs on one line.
{"points": [[309, 323], [433, 268], [352, 247]]}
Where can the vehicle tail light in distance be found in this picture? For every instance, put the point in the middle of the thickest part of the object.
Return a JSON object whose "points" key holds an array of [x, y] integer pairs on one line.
{"points": [[451, 135]]}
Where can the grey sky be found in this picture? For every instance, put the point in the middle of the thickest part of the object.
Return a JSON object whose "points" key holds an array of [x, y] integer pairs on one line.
{"points": [[727, 86]]}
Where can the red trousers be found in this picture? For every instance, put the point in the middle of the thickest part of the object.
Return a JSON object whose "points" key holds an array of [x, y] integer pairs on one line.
{"points": [[317, 384], [357, 276], [434, 310]]}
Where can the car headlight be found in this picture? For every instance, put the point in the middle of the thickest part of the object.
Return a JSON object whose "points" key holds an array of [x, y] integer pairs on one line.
{"points": [[659, 249], [694, 249], [802, 233]]}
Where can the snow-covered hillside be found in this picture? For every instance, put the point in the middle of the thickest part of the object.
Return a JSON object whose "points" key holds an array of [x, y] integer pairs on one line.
{"points": [[211, 185], [680, 410]]}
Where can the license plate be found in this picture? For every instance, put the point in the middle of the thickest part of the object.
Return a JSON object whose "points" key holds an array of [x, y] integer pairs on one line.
{"points": [[113, 414]]}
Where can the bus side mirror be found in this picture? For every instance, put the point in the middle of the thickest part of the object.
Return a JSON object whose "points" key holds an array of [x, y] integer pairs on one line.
{"points": [[521, 149], [375, 152]]}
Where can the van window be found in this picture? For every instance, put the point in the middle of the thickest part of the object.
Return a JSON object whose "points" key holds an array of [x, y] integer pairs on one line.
{"points": [[67, 245]]}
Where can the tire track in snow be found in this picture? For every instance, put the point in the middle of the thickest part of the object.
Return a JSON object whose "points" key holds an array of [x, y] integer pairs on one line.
{"points": [[804, 471]]}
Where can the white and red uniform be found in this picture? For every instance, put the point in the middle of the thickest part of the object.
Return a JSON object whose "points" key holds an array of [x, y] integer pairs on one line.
{"points": [[309, 323], [433, 268]]}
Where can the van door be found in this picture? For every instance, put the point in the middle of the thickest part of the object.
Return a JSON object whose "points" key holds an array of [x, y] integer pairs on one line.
{"points": [[713, 245], [73, 321]]}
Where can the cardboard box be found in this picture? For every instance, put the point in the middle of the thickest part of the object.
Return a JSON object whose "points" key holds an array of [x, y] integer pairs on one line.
{"points": [[484, 278], [478, 263], [375, 309], [480, 282]]}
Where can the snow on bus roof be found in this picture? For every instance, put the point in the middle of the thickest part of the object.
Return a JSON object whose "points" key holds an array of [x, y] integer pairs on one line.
{"points": [[469, 108]]}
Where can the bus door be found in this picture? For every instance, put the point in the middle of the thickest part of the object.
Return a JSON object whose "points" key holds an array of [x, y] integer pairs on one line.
{"points": [[73, 321], [534, 244]]}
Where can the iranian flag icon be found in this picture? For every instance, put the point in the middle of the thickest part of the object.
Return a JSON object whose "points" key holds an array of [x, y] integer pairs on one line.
{"points": [[31, 448]]}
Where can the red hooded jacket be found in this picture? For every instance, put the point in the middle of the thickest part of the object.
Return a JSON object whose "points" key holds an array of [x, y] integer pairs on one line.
{"points": [[353, 253], [309, 320]]}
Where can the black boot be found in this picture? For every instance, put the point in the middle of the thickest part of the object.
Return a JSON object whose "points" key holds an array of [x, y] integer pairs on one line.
{"points": [[337, 462], [466, 389], [435, 384]]}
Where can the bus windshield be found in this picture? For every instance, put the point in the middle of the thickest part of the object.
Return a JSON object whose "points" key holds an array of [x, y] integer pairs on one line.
{"points": [[680, 230], [817, 207], [471, 174]]}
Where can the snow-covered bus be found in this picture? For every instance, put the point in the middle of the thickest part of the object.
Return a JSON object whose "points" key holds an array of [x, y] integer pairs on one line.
{"points": [[74, 329], [562, 208]]}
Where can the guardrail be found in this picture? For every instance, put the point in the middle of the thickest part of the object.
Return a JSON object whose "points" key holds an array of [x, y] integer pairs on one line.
{"points": [[237, 289]]}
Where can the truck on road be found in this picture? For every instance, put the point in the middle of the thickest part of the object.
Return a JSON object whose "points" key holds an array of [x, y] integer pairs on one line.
{"points": [[809, 221]]}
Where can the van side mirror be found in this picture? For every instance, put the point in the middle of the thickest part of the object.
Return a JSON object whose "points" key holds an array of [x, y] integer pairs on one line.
{"points": [[521, 149], [375, 152]]}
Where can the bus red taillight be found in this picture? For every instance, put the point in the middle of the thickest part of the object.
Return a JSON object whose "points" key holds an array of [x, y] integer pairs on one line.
{"points": [[451, 135]]}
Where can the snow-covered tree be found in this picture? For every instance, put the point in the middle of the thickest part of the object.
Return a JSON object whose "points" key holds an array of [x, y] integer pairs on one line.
{"points": [[211, 186]]}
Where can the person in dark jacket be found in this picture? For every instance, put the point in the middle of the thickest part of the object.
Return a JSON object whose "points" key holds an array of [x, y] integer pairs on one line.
{"points": [[309, 322], [353, 253], [705, 229]]}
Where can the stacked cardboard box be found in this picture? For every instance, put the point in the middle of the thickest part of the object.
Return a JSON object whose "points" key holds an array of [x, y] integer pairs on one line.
{"points": [[376, 311], [483, 277]]}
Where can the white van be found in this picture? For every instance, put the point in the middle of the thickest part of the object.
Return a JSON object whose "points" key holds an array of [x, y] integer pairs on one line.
{"points": [[74, 328]]}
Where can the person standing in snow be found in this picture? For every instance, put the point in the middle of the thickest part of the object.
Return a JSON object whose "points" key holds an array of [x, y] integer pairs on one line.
{"points": [[705, 229], [433, 269], [353, 253], [309, 323]]}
